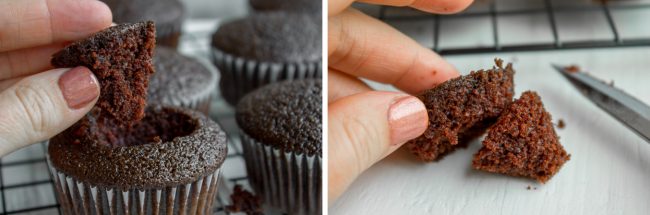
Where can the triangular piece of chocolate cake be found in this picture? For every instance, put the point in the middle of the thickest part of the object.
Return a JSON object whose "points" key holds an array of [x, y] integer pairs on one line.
{"points": [[120, 57], [461, 109], [522, 142]]}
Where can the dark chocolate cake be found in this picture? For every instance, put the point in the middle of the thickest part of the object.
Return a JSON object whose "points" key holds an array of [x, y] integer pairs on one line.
{"points": [[273, 37], [461, 109], [281, 137], [120, 57], [170, 146], [523, 142], [286, 115], [181, 81], [244, 202]]}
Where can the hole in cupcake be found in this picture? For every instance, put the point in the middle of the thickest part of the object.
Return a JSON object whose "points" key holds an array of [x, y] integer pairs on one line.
{"points": [[159, 125]]}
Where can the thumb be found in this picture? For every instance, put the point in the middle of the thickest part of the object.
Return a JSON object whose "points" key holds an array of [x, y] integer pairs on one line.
{"points": [[366, 127], [43, 105]]}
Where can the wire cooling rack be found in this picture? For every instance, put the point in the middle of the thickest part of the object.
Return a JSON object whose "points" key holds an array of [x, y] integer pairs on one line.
{"points": [[566, 24], [26, 187]]}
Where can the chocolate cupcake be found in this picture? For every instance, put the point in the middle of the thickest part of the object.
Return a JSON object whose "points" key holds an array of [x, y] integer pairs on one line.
{"points": [[313, 6], [167, 163], [181, 81], [167, 14], [265, 48], [281, 139]]}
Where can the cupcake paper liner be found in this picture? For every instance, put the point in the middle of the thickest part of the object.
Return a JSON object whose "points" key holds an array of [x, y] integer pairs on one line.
{"points": [[200, 101], [168, 34], [289, 181], [78, 197], [241, 75]]}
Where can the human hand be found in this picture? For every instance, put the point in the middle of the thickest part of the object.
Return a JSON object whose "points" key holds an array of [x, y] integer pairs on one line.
{"points": [[364, 125], [36, 101]]}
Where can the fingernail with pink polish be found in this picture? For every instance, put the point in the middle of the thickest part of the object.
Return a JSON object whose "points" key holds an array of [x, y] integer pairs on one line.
{"points": [[407, 118], [79, 87]]}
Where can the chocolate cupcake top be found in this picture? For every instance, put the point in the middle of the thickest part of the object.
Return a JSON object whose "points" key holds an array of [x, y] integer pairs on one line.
{"points": [[272, 37], [166, 13], [179, 79], [313, 6], [169, 147], [285, 115]]}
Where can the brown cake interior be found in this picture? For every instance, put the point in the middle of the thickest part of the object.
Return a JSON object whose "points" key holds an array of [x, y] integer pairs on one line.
{"points": [[522, 142], [163, 126], [121, 59], [461, 109], [244, 202]]}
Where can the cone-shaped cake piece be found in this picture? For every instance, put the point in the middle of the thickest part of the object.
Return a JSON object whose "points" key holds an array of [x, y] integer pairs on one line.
{"points": [[120, 57], [461, 109], [523, 142]]}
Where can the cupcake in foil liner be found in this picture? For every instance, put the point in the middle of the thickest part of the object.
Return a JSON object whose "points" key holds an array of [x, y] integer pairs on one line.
{"points": [[266, 48], [169, 34], [168, 163], [285, 180], [281, 134], [79, 197], [182, 81], [240, 76]]}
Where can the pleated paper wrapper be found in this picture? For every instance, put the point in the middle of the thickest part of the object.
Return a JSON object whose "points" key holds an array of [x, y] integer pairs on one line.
{"points": [[78, 197], [240, 76], [289, 181]]}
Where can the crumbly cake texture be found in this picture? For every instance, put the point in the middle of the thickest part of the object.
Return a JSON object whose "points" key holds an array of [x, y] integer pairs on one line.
{"points": [[169, 147], [461, 109], [244, 201], [121, 59], [285, 115], [272, 37], [523, 142]]}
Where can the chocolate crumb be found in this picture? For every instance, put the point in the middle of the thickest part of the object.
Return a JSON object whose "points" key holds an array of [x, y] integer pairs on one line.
{"points": [[528, 188], [523, 142], [534, 188], [120, 57], [572, 69], [560, 123], [244, 201], [461, 109]]}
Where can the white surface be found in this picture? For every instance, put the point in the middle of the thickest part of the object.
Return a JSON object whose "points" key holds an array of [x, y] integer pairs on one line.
{"points": [[609, 170]]}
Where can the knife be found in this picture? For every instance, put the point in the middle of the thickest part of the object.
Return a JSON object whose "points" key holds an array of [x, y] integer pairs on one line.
{"points": [[625, 108]]}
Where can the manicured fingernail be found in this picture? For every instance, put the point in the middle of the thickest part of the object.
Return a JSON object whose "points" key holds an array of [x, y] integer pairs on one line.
{"points": [[79, 87], [407, 118]]}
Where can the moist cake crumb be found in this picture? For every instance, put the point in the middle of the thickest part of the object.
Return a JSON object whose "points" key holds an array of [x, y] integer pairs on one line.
{"points": [[244, 201], [560, 124], [572, 69], [120, 57], [461, 109], [522, 142]]}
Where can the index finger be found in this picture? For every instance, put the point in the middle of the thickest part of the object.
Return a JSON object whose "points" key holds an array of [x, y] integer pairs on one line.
{"points": [[30, 23], [362, 46], [431, 6]]}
